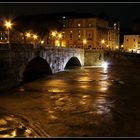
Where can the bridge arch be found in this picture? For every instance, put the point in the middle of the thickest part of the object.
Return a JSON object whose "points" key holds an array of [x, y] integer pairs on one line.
{"points": [[73, 61], [36, 68]]}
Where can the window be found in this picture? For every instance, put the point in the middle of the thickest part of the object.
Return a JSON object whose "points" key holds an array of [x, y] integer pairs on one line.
{"points": [[63, 34], [79, 34], [127, 40], [79, 24], [89, 25], [71, 34], [134, 39], [89, 36]]}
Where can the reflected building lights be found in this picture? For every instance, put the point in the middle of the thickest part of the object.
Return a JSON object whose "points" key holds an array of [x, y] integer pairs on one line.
{"points": [[51, 114], [56, 90], [101, 106], [84, 86], [84, 79]]}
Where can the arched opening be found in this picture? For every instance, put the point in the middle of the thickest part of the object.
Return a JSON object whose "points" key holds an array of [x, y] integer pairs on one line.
{"points": [[72, 63], [36, 68]]}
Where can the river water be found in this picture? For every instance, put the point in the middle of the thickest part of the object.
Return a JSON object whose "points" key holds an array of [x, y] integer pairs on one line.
{"points": [[80, 102]]}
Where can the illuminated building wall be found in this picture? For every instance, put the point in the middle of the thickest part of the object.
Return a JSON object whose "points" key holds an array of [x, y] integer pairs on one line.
{"points": [[131, 43], [93, 30]]}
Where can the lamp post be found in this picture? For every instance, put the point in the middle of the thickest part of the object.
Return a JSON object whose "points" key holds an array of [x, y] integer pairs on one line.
{"points": [[53, 33], [28, 36], [8, 25], [60, 37], [35, 38]]}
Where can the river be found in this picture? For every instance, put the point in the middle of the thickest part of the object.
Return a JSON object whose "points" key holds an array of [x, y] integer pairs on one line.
{"points": [[80, 102]]}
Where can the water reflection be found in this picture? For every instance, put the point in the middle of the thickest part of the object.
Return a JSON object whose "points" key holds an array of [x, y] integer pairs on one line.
{"points": [[86, 102], [57, 90], [101, 106], [12, 126]]}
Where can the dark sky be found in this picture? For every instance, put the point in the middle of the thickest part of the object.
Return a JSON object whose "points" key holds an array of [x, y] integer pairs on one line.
{"points": [[126, 11]]}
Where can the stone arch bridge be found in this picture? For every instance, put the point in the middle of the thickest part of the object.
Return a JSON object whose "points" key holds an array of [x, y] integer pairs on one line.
{"points": [[20, 62]]}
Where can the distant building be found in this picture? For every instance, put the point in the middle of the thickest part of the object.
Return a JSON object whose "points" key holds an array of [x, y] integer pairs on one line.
{"points": [[90, 32], [3, 36], [132, 43]]}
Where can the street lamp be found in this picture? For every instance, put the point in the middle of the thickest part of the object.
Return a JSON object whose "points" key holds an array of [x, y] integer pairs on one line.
{"points": [[54, 34], [35, 38], [8, 25], [102, 42], [42, 42], [28, 35]]}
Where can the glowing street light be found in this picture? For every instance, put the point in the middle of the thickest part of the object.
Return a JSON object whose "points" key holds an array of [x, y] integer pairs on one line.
{"points": [[117, 47], [60, 36], [57, 43], [28, 35], [54, 33], [8, 25], [84, 42], [42, 42], [35, 37], [102, 42]]}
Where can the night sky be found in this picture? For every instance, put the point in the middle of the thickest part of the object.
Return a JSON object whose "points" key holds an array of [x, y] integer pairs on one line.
{"points": [[126, 11]]}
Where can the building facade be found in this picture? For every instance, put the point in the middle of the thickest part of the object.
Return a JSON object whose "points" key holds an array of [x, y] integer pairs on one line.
{"points": [[90, 33], [132, 43]]}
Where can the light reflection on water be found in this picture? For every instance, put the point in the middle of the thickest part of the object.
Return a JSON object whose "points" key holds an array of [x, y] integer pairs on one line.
{"points": [[77, 102]]}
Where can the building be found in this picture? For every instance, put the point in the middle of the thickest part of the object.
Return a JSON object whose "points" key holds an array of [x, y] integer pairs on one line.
{"points": [[3, 36], [132, 43], [90, 33]]}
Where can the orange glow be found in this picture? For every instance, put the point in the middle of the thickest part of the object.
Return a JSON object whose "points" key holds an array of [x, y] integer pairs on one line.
{"points": [[103, 41], [53, 33], [28, 35], [84, 41], [35, 36], [8, 24]]}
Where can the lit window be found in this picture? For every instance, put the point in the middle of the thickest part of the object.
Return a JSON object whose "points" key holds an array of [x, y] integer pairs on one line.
{"points": [[64, 25], [1, 38], [79, 24], [89, 25], [79, 36]]}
